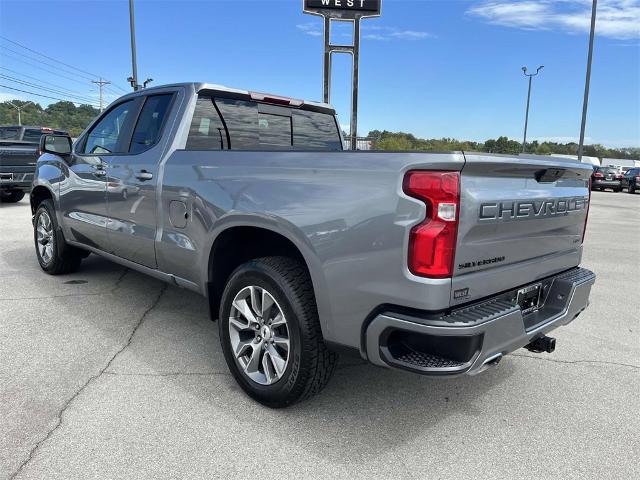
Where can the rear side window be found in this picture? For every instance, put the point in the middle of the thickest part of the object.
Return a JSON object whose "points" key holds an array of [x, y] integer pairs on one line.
{"points": [[150, 121], [32, 135], [315, 131]]}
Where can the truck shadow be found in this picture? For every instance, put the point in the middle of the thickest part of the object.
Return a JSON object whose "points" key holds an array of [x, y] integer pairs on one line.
{"points": [[363, 411]]}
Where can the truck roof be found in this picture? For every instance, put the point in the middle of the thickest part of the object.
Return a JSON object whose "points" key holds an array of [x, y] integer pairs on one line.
{"points": [[201, 86]]}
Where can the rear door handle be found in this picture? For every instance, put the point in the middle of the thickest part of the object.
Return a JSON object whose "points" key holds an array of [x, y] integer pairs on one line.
{"points": [[144, 175]]}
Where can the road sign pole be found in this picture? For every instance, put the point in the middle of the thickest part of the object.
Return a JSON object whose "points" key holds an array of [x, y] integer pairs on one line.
{"points": [[354, 92], [326, 86]]}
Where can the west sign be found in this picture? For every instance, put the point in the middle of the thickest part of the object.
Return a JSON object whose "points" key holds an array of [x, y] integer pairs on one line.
{"points": [[343, 8]]}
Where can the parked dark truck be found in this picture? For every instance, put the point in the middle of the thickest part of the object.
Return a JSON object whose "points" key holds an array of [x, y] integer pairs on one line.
{"points": [[18, 155], [439, 264]]}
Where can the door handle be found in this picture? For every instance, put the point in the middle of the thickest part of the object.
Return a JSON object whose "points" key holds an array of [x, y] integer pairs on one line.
{"points": [[144, 175], [100, 170]]}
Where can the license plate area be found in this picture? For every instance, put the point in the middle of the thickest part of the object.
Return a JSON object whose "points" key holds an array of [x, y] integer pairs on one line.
{"points": [[529, 298], [6, 177]]}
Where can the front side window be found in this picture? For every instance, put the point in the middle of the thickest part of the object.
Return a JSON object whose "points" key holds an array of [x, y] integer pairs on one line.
{"points": [[105, 136], [147, 131]]}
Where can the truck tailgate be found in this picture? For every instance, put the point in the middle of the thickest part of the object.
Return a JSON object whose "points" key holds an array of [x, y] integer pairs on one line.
{"points": [[16, 153], [521, 219]]}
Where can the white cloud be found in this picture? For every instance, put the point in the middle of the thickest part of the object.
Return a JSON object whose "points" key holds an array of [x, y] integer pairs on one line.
{"points": [[618, 19], [373, 32], [313, 29], [4, 96]]}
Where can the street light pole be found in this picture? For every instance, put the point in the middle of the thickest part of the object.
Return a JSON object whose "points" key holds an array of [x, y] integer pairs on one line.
{"points": [[526, 117], [587, 82], [19, 109], [134, 64]]}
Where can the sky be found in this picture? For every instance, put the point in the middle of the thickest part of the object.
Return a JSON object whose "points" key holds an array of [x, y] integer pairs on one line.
{"points": [[434, 68]]}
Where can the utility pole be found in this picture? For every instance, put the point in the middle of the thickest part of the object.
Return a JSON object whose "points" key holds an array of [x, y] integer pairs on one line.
{"points": [[587, 82], [133, 79], [526, 118], [101, 83], [19, 109]]}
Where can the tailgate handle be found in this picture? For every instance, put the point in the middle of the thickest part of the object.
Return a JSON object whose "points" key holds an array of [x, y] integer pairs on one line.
{"points": [[549, 175]]}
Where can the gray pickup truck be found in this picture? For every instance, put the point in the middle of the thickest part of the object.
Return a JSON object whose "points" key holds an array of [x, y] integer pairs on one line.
{"points": [[435, 263], [18, 155]]}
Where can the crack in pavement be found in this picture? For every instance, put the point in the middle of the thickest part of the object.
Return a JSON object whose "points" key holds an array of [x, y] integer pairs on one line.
{"points": [[571, 362], [111, 291], [68, 403], [166, 374]]}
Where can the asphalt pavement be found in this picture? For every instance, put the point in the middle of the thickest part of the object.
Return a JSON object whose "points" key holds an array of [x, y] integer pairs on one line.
{"points": [[107, 373]]}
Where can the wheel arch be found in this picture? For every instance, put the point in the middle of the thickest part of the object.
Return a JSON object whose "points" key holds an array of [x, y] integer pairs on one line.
{"points": [[241, 240]]}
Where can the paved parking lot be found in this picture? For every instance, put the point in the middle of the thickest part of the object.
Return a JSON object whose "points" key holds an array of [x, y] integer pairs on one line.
{"points": [[107, 373]]}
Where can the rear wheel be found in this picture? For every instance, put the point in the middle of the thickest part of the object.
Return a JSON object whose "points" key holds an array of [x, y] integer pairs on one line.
{"points": [[270, 332], [54, 255], [12, 196]]}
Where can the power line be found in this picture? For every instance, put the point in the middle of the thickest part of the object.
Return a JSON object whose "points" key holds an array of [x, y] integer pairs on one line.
{"points": [[46, 89], [46, 63], [48, 71], [55, 60], [47, 56], [37, 79], [44, 96]]}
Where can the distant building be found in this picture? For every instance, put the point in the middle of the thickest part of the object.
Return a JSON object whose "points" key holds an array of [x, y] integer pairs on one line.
{"points": [[585, 159], [620, 162]]}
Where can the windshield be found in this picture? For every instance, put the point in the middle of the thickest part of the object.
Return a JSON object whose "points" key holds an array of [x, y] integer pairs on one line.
{"points": [[9, 133]]}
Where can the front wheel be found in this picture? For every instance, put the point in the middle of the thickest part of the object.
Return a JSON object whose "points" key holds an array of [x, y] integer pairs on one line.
{"points": [[13, 196], [54, 255], [631, 189], [270, 332]]}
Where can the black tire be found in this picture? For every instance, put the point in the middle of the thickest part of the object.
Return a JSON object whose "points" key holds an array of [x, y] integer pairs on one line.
{"points": [[13, 196], [631, 189], [310, 364], [618, 190], [61, 258]]}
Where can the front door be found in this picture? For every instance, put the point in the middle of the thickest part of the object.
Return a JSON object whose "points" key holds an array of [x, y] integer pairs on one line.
{"points": [[83, 191], [131, 186]]}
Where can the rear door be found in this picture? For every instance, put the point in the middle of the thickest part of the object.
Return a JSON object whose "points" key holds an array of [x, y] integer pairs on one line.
{"points": [[132, 183], [521, 219]]}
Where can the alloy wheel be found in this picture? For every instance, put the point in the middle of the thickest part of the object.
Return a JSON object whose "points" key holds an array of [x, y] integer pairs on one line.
{"points": [[259, 335], [44, 235]]}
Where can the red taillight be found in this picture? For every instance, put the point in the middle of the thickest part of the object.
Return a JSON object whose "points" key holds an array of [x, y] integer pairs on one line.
{"points": [[598, 175], [432, 244]]}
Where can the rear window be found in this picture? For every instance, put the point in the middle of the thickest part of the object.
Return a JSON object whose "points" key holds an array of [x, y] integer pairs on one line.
{"points": [[224, 123], [9, 133], [32, 135]]}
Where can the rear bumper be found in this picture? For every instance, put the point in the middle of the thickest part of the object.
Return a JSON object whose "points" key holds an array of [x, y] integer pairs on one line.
{"points": [[606, 183], [16, 178], [470, 339]]}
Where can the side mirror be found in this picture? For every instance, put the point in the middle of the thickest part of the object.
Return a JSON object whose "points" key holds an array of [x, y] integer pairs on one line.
{"points": [[56, 144]]}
